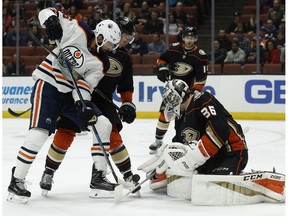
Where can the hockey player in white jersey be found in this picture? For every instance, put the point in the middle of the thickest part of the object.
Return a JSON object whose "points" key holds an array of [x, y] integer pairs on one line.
{"points": [[54, 94]]}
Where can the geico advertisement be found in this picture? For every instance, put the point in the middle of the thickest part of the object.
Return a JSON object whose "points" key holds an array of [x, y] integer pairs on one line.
{"points": [[246, 93]]}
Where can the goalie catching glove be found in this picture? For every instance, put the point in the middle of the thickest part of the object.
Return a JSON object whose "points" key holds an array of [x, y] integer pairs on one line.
{"points": [[127, 112], [88, 114], [180, 158]]}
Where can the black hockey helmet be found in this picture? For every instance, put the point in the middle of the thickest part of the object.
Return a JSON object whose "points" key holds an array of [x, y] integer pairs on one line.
{"points": [[126, 25], [190, 31]]}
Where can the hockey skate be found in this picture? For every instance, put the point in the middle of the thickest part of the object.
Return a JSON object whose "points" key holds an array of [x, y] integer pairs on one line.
{"points": [[46, 181], [17, 189], [155, 146], [131, 182], [100, 185]]}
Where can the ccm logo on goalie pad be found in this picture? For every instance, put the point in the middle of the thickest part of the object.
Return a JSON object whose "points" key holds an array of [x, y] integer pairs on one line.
{"points": [[253, 177]]}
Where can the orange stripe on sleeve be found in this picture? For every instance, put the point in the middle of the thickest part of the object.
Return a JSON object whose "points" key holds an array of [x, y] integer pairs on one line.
{"points": [[126, 96], [209, 146]]}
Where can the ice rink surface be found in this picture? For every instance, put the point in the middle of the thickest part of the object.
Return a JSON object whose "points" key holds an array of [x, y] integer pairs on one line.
{"points": [[69, 195]]}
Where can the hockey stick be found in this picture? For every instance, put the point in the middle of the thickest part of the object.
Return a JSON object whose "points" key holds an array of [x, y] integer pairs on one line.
{"points": [[119, 196], [17, 114], [107, 99]]}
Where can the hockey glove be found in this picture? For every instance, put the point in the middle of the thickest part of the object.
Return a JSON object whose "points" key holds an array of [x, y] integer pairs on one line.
{"points": [[163, 73], [87, 115], [53, 28], [127, 112]]}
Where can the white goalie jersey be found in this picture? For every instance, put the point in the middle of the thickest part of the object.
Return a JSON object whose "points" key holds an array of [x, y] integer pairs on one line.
{"points": [[88, 69]]}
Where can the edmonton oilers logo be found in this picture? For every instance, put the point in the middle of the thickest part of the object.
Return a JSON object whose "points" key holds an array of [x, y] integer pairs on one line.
{"points": [[74, 56]]}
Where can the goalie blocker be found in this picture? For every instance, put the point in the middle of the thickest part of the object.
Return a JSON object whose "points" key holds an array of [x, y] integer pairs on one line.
{"points": [[247, 188]]}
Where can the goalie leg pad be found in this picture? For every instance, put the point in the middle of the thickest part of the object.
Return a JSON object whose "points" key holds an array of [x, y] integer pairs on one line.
{"points": [[237, 190]]}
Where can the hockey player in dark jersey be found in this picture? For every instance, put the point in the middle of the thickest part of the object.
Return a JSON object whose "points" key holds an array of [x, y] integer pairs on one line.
{"points": [[214, 141], [185, 61], [120, 76], [54, 94]]}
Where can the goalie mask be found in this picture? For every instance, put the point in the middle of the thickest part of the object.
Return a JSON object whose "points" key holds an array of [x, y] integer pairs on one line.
{"points": [[111, 33], [175, 93]]}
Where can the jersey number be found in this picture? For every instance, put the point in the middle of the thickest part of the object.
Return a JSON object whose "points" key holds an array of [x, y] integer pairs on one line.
{"points": [[208, 111]]}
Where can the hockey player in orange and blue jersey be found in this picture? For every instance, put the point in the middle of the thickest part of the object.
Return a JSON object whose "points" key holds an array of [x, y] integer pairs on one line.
{"points": [[54, 95]]}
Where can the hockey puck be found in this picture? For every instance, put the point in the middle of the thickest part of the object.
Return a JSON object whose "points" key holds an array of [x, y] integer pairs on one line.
{"points": [[135, 178]]}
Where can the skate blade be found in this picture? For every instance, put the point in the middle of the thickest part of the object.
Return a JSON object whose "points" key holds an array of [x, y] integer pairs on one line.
{"points": [[44, 192], [14, 198], [97, 193]]}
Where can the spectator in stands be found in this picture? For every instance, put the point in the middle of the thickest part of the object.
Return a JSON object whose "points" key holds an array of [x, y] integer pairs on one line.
{"points": [[6, 19], [237, 24], [275, 19], [161, 11], [157, 45], [282, 26], [272, 53], [137, 3], [144, 15], [128, 13], [153, 25], [12, 36], [11, 67], [96, 19], [278, 8], [106, 12], [219, 53], [263, 37], [74, 13], [4, 35], [173, 27], [270, 29], [236, 55], [251, 54], [138, 46], [280, 40], [251, 25], [34, 19], [225, 41], [179, 15], [37, 33], [244, 42], [59, 7]]}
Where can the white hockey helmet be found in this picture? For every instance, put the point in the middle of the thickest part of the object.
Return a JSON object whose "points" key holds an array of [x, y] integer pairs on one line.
{"points": [[110, 31], [175, 93]]}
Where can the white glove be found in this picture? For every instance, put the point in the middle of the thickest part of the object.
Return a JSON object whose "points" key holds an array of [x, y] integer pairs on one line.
{"points": [[157, 162]]}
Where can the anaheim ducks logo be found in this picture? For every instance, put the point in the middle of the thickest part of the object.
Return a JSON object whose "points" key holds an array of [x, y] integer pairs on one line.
{"points": [[181, 69], [74, 55], [115, 68], [189, 135]]}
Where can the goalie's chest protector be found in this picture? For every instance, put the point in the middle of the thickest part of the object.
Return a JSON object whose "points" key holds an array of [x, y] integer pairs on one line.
{"points": [[192, 124]]}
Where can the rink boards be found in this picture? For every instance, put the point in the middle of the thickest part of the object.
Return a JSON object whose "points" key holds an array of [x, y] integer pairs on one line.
{"points": [[245, 96]]}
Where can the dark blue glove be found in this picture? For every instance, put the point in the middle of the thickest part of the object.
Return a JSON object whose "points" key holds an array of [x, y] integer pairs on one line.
{"points": [[88, 114], [54, 29], [163, 73], [127, 112]]}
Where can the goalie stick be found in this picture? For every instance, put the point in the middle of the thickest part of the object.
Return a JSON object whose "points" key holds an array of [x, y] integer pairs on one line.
{"points": [[11, 112]]}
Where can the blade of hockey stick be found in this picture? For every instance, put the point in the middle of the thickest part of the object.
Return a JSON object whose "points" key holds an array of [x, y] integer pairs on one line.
{"points": [[120, 196], [17, 114]]}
